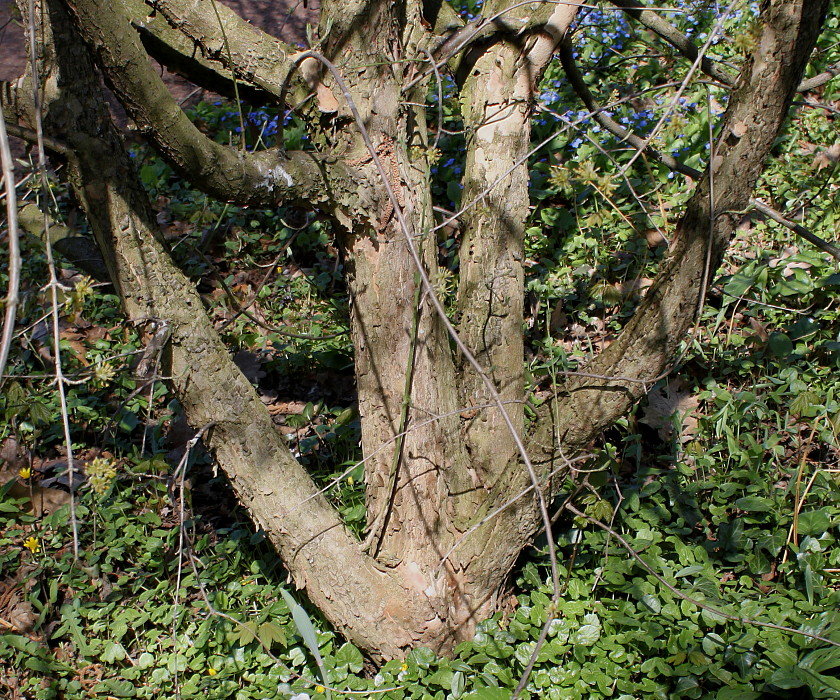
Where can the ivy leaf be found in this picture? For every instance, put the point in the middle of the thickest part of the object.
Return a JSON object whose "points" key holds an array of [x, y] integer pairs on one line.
{"points": [[349, 657], [813, 522]]}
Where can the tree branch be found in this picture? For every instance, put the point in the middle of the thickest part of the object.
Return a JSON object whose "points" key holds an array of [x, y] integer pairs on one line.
{"points": [[753, 118], [651, 20], [255, 57], [821, 79], [265, 178], [181, 56], [607, 122]]}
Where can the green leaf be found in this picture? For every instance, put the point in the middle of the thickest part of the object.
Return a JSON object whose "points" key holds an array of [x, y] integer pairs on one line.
{"points": [[813, 522], [739, 284], [755, 504], [243, 633], [113, 652], [651, 602], [780, 345], [804, 327], [489, 694], [457, 685], [833, 280], [805, 403], [270, 633], [422, 656], [350, 657], [307, 631]]}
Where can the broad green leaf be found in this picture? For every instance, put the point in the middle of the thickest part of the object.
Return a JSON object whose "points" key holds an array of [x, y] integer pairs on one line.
{"points": [[780, 344], [813, 522], [457, 685], [651, 602], [489, 694], [739, 283], [349, 656], [754, 504], [587, 635], [113, 652]]}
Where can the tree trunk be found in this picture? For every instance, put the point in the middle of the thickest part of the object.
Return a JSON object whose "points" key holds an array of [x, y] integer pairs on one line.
{"points": [[434, 467]]}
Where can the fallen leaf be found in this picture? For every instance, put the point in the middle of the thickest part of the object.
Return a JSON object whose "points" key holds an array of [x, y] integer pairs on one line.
{"points": [[666, 401], [22, 616]]}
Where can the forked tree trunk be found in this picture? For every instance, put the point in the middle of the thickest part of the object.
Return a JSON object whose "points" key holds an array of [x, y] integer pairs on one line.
{"points": [[402, 587]]}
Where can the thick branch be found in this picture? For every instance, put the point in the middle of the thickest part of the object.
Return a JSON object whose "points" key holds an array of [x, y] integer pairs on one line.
{"points": [[255, 57], [497, 98], [753, 118], [263, 178], [181, 56]]}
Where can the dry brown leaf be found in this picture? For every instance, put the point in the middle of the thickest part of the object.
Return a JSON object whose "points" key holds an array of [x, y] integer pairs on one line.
{"points": [[827, 158], [654, 238], [666, 401], [22, 615], [759, 329], [559, 320]]}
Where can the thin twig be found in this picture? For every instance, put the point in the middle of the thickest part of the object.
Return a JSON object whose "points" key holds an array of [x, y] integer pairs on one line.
{"points": [[12, 296], [53, 283]]}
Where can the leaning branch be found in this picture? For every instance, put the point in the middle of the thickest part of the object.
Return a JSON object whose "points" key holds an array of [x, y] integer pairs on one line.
{"points": [[226, 39], [173, 49], [601, 117], [755, 114], [263, 178]]}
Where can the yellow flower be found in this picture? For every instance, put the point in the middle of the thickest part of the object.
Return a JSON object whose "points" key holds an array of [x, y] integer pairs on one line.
{"points": [[211, 671], [320, 689], [100, 472], [104, 372], [32, 545], [25, 473], [404, 667]]}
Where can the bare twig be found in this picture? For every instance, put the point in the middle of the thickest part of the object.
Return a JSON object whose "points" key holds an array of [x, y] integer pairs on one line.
{"points": [[53, 284], [14, 249]]}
